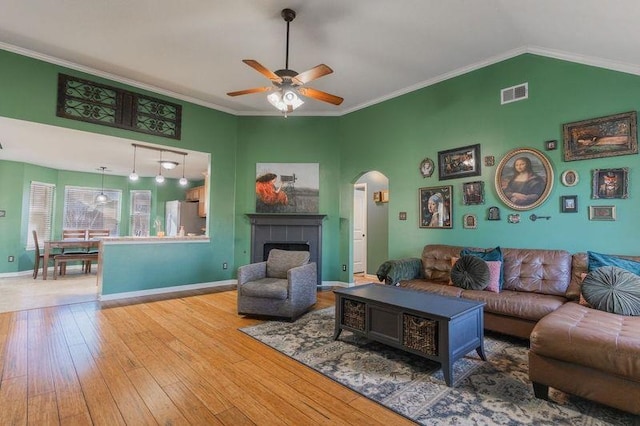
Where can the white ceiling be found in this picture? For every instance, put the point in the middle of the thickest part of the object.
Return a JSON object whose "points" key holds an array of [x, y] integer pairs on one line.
{"points": [[378, 49]]}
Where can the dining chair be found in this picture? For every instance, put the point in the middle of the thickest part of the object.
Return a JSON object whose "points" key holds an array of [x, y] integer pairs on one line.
{"points": [[76, 234], [91, 234], [38, 257]]}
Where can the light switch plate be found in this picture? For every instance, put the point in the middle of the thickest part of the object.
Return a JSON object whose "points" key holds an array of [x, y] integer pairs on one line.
{"points": [[3, 213]]}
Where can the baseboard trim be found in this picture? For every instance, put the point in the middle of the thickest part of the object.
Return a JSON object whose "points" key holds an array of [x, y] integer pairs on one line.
{"points": [[164, 290]]}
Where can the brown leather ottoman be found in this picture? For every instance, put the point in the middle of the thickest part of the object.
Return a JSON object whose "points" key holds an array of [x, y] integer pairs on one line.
{"points": [[589, 353]]}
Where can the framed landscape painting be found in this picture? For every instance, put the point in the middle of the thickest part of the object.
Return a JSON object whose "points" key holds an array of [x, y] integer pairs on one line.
{"points": [[601, 137]]}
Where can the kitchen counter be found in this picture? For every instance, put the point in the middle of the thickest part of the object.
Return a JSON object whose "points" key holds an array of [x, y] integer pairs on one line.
{"points": [[156, 240]]}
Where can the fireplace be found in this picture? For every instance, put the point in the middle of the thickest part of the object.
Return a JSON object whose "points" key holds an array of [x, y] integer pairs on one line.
{"points": [[283, 245], [287, 232]]}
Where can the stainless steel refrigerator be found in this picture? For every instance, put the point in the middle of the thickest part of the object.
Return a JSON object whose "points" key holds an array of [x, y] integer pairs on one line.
{"points": [[183, 213]]}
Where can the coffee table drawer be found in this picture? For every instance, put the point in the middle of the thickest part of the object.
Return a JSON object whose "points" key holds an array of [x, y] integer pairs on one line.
{"points": [[353, 314]]}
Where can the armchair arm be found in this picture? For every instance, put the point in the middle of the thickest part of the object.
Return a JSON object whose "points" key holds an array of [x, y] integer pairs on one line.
{"points": [[302, 279], [394, 271], [252, 272]]}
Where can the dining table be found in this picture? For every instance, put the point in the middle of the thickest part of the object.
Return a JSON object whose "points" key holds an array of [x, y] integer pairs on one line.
{"points": [[68, 243]]}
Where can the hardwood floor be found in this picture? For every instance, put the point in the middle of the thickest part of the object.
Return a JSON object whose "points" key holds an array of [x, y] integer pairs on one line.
{"points": [[169, 360]]}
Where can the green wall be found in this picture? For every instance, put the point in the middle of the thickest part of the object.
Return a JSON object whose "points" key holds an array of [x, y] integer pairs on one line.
{"points": [[291, 140], [466, 110], [28, 90], [391, 137]]}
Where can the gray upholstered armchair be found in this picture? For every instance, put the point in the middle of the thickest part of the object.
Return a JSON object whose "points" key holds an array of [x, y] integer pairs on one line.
{"points": [[284, 286]]}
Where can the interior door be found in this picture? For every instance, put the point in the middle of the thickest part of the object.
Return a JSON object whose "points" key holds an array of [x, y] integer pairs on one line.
{"points": [[360, 228]]}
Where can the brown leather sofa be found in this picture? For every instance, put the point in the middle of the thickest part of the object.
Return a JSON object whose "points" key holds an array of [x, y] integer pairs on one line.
{"points": [[573, 348], [535, 284], [587, 352]]}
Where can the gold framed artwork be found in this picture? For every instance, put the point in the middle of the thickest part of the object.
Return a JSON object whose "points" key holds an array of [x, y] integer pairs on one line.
{"points": [[524, 179], [610, 183], [601, 137], [602, 213]]}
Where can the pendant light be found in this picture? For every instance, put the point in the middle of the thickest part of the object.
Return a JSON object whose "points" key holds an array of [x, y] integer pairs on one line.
{"points": [[134, 176], [183, 180], [159, 177], [101, 199]]}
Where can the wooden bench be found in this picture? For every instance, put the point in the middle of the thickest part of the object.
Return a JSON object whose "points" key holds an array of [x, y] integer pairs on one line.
{"points": [[62, 259]]}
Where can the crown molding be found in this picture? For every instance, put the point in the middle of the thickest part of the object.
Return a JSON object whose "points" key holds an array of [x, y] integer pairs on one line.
{"points": [[536, 50]]}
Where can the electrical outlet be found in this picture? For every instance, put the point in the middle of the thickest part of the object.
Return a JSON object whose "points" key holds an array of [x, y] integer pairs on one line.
{"points": [[344, 268], [224, 265], [11, 259]]}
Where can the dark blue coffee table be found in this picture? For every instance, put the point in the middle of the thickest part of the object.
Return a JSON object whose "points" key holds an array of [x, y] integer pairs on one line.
{"points": [[440, 328]]}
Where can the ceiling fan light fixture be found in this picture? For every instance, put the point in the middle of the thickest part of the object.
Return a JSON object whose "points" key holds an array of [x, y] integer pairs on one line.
{"points": [[169, 165], [285, 102]]}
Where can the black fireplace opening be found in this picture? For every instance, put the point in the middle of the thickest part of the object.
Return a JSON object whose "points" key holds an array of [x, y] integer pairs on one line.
{"points": [[284, 245]]}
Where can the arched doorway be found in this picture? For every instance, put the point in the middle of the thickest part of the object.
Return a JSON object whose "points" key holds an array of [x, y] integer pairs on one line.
{"points": [[371, 224]]}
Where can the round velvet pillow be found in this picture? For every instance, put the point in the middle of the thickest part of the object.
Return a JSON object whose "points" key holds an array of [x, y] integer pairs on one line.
{"points": [[612, 289], [470, 273]]}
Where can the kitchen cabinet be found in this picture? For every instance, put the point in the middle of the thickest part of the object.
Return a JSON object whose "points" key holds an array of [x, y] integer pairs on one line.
{"points": [[198, 194]]}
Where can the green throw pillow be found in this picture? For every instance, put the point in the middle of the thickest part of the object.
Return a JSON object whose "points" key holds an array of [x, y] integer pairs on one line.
{"points": [[613, 289], [494, 254], [470, 273]]}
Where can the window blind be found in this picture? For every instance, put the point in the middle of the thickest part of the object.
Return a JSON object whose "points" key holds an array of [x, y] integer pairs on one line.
{"points": [[41, 196], [81, 211], [140, 213]]}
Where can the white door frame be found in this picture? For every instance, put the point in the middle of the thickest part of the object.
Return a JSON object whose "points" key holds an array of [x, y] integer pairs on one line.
{"points": [[360, 224]]}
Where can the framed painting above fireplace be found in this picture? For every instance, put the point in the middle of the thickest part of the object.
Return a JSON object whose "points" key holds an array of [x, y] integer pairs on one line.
{"points": [[287, 187]]}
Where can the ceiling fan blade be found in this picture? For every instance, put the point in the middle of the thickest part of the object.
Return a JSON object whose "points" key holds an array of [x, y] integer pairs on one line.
{"points": [[248, 91], [312, 74], [262, 70], [320, 95]]}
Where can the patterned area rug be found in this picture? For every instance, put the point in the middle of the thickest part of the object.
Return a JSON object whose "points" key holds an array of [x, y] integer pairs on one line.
{"points": [[484, 393]]}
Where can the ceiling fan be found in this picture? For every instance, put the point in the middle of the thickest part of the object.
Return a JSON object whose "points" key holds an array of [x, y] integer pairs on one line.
{"points": [[287, 83]]}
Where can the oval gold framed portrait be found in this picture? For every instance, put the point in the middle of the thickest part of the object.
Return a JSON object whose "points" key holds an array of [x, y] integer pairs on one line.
{"points": [[569, 178], [524, 179]]}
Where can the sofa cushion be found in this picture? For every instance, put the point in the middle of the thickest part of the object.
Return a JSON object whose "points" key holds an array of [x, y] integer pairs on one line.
{"points": [[537, 271], [437, 288], [596, 260], [529, 306], [489, 254], [267, 288], [495, 267], [280, 261], [613, 289], [592, 338], [470, 272]]}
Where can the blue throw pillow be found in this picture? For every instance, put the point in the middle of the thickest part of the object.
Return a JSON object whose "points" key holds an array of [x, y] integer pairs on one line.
{"points": [[487, 255], [597, 260]]}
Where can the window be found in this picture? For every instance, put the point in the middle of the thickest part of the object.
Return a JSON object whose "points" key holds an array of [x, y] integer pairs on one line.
{"points": [[140, 213], [41, 196], [82, 212]]}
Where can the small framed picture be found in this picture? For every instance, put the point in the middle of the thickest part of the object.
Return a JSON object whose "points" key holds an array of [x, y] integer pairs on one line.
{"points": [[602, 212], [473, 193], [377, 197], [489, 160], [569, 178], [459, 162], [551, 145], [469, 221], [427, 167], [569, 204], [610, 183]]}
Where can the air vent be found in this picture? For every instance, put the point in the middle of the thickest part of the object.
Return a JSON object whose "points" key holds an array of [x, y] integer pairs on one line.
{"points": [[514, 93]]}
